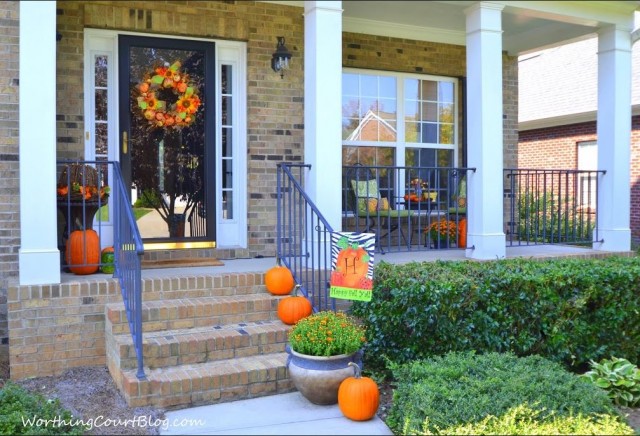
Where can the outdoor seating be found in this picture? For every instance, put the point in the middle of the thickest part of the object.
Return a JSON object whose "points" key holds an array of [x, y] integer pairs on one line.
{"points": [[379, 213]]}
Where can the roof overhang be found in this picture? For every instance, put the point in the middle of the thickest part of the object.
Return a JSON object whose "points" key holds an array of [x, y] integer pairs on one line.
{"points": [[527, 25], [565, 120]]}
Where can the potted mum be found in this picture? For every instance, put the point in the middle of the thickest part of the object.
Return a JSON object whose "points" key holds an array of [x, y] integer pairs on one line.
{"points": [[441, 232], [320, 349]]}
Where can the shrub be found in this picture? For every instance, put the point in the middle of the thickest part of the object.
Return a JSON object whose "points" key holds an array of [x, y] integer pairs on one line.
{"points": [[568, 310], [523, 420], [17, 405], [619, 378], [460, 390]]}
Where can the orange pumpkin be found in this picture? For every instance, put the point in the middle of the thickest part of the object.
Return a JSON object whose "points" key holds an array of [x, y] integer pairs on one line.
{"points": [[358, 397], [279, 280], [351, 263], [462, 233], [83, 252], [293, 309]]}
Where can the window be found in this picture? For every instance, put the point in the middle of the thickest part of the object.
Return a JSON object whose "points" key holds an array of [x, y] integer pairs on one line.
{"points": [[400, 112], [396, 119], [587, 161]]}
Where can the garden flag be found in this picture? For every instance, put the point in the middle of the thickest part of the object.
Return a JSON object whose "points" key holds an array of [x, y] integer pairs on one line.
{"points": [[352, 265]]}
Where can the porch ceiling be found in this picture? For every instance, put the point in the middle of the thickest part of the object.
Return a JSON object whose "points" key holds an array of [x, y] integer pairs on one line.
{"points": [[527, 25]]}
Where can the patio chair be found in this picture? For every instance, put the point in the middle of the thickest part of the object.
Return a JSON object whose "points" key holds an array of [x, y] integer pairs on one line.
{"points": [[366, 202]]}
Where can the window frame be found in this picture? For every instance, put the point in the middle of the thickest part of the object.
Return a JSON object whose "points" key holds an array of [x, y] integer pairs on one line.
{"points": [[400, 145]]}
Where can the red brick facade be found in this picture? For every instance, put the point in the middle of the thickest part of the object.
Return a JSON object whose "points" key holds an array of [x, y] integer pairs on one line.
{"points": [[557, 148]]}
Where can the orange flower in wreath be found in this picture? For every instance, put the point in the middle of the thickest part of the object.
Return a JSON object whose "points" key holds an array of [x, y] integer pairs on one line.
{"points": [[172, 84]]}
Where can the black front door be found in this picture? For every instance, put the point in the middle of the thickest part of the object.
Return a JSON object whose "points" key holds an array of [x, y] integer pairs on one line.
{"points": [[167, 137]]}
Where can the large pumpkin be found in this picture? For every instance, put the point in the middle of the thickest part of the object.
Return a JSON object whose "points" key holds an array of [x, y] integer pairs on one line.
{"points": [[293, 309], [279, 280], [83, 252], [107, 260], [358, 397]]}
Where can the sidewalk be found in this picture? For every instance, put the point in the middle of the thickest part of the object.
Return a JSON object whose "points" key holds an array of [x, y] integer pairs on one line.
{"points": [[284, 414]]}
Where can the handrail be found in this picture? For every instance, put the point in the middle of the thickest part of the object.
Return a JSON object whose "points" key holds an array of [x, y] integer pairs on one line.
{"points": [[82, 191], [303, 237], [128, 251]]}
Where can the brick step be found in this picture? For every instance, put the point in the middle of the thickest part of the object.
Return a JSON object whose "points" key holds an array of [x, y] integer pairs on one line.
{"points": [[195, 312], [207, 383], [203, 285], [202, 344]]}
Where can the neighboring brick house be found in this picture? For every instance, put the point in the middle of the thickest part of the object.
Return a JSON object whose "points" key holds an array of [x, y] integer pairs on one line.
{"points": [[557, 114], [453, 69]]}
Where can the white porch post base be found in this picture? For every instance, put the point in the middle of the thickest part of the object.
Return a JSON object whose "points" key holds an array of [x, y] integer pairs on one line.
{"points": [[613, 240], [43, 266], [486, 246]]}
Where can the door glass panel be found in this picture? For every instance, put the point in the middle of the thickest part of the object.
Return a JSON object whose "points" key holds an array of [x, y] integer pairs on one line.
{"points": [[167, 140]]}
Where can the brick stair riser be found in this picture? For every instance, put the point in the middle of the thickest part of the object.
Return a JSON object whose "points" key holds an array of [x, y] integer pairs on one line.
{"points": [[160, 352], [197, 387], [206, 315], [203, 286]]}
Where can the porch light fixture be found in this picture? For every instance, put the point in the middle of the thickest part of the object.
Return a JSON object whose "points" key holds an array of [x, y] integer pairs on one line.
{"points": [[280, 58]]}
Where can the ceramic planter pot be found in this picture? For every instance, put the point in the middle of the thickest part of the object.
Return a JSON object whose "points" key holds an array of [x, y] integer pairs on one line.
{"points": [[318, 378]]}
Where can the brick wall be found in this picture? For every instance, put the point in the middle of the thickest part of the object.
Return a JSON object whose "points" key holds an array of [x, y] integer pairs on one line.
{"points": [[557, 148], [9, 180]]}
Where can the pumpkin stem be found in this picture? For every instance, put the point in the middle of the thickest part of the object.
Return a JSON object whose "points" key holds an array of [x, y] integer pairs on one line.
{"points": [[296, 288], [356, 370]]}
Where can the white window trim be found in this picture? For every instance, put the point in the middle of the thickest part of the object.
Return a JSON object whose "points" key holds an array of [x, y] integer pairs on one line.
{"points": [[229, 233]]}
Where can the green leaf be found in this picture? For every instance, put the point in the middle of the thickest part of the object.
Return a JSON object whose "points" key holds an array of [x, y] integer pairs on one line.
{"points": [[142, 104], [175, 66], [161, 105], [189, 91], [602, 383], [182, 115], [157, 79]]}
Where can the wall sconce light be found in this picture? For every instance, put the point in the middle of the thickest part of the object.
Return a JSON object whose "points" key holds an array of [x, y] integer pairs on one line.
{"points": [[280, 58]]}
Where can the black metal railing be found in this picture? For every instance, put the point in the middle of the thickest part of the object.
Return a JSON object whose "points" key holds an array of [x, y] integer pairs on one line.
{"points": [[303, 237], [549, 206], [92, 198], [408, 208]]}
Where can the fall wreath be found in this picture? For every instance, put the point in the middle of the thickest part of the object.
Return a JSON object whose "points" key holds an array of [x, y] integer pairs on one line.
{"points": [[165, 83]]}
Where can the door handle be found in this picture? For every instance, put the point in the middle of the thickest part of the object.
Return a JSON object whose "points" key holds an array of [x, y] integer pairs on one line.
{"points": [[125, 143]]}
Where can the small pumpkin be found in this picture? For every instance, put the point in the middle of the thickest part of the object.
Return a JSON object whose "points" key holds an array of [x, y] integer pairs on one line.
{"points": [[279, 280], [358, 397], [83, 252], [293, 309], [107, 260]]}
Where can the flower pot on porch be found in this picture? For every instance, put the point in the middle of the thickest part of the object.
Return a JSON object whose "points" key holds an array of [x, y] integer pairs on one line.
{"points": [[318, 378]]}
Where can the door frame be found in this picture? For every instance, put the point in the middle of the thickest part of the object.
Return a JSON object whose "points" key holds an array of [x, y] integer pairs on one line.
{"points": [[125, 42], [231, 233]]}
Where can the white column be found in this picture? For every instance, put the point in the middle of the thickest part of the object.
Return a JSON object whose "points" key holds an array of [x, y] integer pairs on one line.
{"points": [[614, 138], [485, 233], [323, 106], [39, 258]]}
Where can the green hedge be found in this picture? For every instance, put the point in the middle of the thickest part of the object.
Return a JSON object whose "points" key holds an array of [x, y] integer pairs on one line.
{"points": [[23, 412], [569, 310], [463, 393]]}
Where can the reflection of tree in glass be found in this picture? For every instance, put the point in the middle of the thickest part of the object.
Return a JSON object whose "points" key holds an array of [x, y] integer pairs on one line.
{"points": [[168, 163]]}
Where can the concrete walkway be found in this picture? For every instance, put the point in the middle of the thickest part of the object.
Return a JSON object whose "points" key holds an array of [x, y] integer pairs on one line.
{"points": [[285, 414]]}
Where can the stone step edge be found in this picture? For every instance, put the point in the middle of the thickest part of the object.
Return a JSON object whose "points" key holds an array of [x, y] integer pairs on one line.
{"points": [[208, 382], [189, 346]]}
